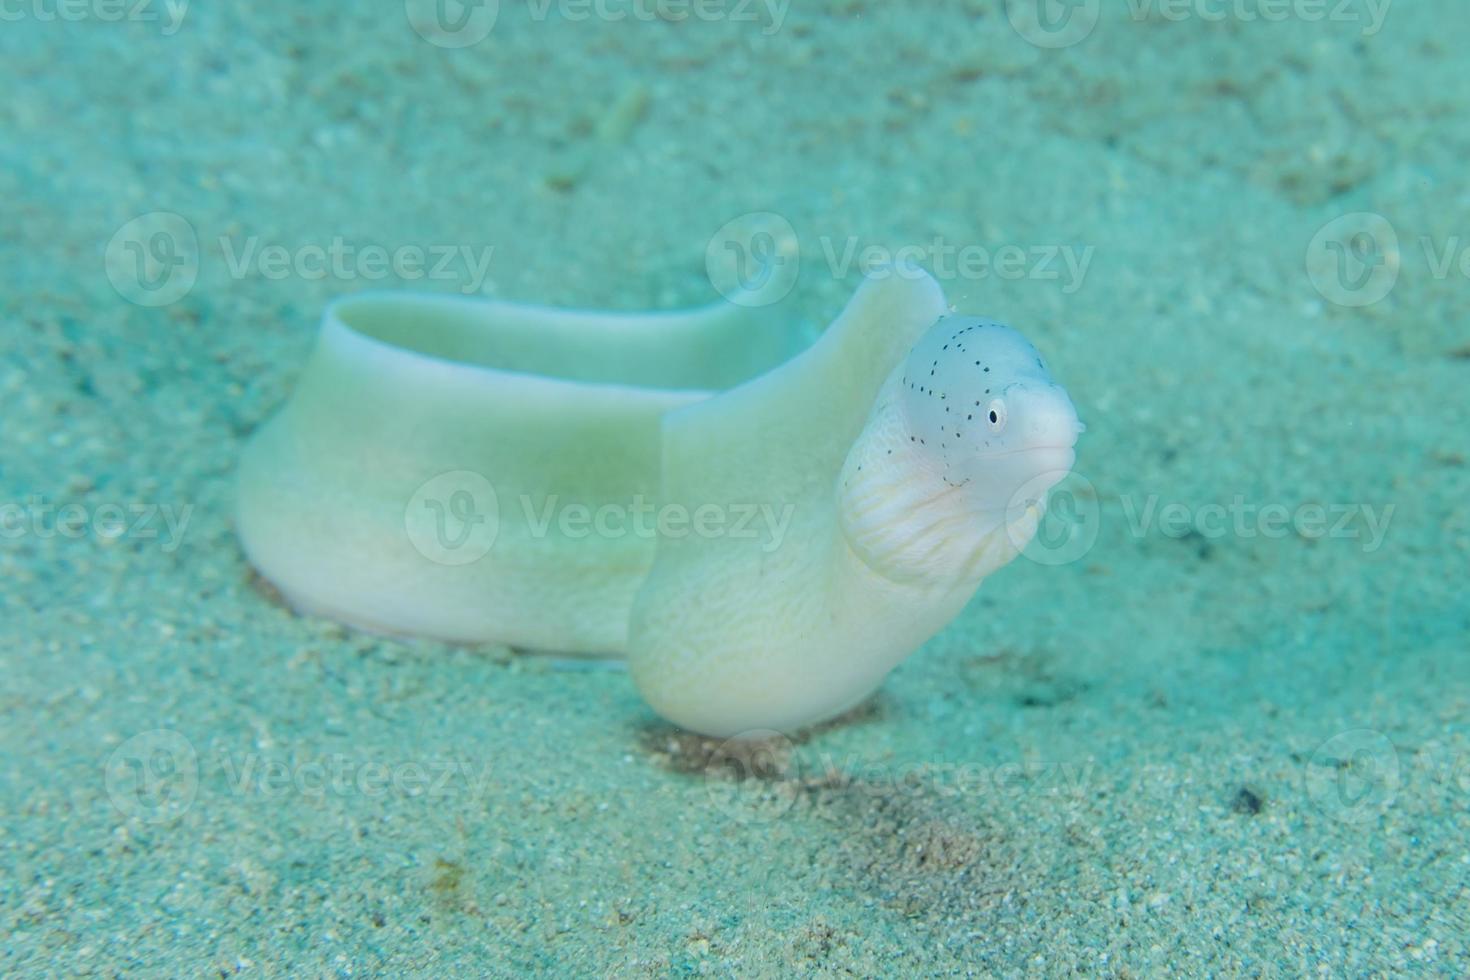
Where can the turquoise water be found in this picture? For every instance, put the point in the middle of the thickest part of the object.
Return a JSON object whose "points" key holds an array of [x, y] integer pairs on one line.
{"points": [[1213, 722]]}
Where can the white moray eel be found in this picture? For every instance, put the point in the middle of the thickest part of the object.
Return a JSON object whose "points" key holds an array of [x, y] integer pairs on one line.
{"points": [[772, 534]]}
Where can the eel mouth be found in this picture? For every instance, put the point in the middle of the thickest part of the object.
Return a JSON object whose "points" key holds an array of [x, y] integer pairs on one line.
{"points": [[1034, 462], [1070, 447], [1060, 457]]}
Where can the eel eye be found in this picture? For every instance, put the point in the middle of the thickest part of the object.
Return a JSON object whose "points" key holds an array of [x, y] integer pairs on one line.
{"points": [[997, 415]]}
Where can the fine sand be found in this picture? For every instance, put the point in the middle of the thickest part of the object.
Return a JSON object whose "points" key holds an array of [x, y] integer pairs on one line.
{"points": [[1216, 736]]}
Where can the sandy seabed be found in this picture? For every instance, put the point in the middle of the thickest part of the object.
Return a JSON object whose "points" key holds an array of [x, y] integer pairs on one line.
{"points": [[1227, 736]]}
